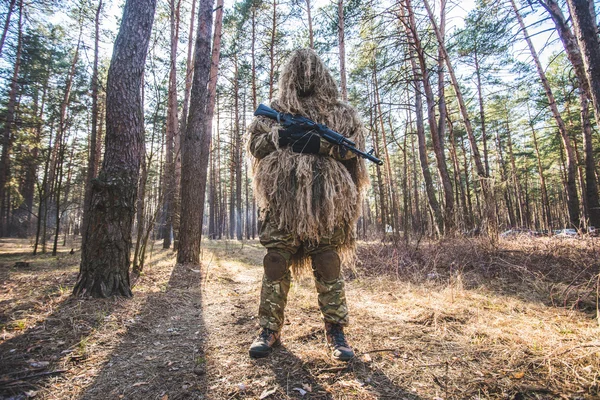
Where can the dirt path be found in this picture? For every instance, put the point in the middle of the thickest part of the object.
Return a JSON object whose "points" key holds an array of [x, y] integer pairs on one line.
{"points": [[192, 342], [186, 332]]}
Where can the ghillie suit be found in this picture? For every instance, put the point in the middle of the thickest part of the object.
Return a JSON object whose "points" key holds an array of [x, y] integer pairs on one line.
{"points": [[309, 203]]}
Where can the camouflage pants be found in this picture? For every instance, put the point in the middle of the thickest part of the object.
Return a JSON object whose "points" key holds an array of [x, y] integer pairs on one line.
{"points": [[273, 298]]}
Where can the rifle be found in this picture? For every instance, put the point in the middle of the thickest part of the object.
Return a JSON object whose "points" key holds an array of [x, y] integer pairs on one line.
{"points": [[287, 120]]}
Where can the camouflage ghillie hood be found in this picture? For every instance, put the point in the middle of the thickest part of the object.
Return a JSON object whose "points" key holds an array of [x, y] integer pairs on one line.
{"points": [[306, 86], [305, 194]]}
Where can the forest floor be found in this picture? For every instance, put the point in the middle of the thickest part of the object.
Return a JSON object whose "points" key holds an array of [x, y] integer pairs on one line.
{"points": [[457, 319]]}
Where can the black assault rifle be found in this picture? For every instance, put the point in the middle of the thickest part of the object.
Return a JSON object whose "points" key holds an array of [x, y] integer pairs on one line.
{"points": [[287, 120]]}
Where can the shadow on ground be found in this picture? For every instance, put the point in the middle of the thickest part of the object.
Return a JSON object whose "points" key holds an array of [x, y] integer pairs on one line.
{"points": [[31, 359], [293, 374], [161, 356]]}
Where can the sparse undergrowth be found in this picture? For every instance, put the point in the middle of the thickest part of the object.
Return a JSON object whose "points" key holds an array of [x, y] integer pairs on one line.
{"points": [[455, 319]]}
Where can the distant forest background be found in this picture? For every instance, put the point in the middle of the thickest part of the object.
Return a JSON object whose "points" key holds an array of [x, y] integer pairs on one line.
{"points": [[485, 118]]}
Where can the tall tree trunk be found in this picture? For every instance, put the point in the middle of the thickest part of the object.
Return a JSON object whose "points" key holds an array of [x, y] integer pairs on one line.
{"points": [[214, 65], [253, 55], [545, 202], [196, 144], [342, 48], [255, 221], [64, 106], [458, 184], [237, 153], [6, 24], [571, 47], [504, 179], [272, 52], [99, 139], [104, 269], [436, 136], [310, 26], [184, 114], [46, 189], [220, 197], [416, 220], [42, 195], [59, 190], [189, 72], [406, 190], [586, 31], [390, 181], [137, 266], [470, 220], [92, 160], [571, 188], [482, 115], [420, 76], [520, 203], [381, 191], [171, 131], [212, 193], [424, 159], [8, 129], [486, 184], [31, 173], [449, 214]]}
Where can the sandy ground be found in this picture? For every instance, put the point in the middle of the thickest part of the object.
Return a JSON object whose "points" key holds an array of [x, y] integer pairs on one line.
{"points": [[186, 332]]}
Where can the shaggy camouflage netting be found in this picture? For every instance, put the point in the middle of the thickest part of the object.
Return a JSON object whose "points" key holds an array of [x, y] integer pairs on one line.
{"points": [[308, 194]]}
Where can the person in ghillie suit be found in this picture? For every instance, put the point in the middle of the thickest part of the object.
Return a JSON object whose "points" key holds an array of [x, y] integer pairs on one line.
{"points": [[309, 194]]}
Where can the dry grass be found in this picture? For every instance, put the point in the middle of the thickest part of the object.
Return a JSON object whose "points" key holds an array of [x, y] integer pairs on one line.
{"points": [[450, 320]]}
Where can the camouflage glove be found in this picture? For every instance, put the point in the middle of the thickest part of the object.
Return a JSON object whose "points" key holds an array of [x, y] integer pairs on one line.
{"points": [[300, 138]]}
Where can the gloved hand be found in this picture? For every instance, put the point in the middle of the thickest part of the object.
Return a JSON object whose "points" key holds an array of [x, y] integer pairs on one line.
{"points": [[300, 138]]}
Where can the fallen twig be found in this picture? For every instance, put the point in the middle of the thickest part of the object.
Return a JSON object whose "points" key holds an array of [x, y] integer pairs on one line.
{"points": [[378, 351], [333, 369], [33, 376]]}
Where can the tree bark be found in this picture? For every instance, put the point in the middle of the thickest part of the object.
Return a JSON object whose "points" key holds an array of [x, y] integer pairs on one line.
{"points": [[171, 131], [418, 78], [6, 24], [253, 55], [586, 31], [571, 187], [449, 198], [196, 144], [486, 184], [310, 26], [390, 181], [482, 115], [572, 49], [8, 129], [435, 128], [272, 52], [189, 72], [237, 153], [104, 269], [92, 160], [424, 159], [32, 168]]}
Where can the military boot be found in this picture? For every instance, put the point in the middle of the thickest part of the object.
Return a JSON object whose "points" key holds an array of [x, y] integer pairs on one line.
{"points": [[337, 341], [264, 343]]}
